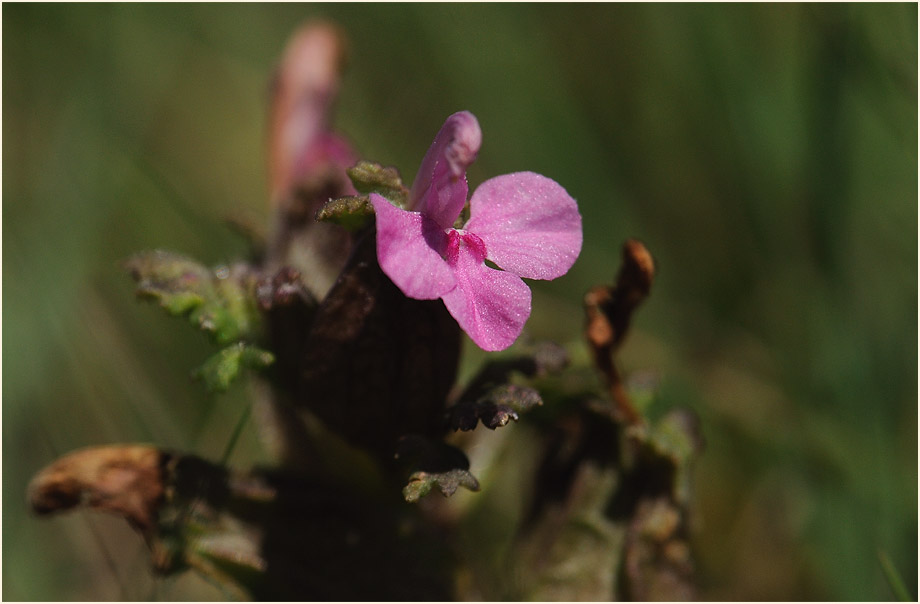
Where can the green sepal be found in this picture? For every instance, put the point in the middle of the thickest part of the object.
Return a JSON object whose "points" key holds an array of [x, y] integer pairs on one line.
{"points": [[352, 213], [219, 371], [369, 177]]}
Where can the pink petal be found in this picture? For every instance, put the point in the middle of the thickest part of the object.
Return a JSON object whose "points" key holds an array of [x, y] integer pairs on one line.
{"points": [[530, 225], [409, 248], [440, 187], [491, 306]]}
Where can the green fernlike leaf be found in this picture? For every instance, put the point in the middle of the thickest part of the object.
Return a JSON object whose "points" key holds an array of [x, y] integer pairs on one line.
{"points": [[218, 301], [421, 483], [219, 371], [369, 177]]}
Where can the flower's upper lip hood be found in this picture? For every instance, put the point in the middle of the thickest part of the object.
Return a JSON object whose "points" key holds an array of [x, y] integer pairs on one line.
{"points": [[440, 188]]}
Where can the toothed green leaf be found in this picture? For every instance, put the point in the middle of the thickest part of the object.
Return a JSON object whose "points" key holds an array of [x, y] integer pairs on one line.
{"points": [[498, 407], [421, 483]]}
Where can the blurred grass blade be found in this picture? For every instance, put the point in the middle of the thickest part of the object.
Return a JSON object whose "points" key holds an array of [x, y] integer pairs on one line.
{"points": [[894, 578]]}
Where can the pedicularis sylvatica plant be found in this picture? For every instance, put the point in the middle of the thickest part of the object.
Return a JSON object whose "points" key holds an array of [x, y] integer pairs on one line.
{"points": [[348, 317]]}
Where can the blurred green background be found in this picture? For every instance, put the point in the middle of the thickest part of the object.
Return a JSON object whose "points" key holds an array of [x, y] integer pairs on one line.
{"points": [[766, 154]]}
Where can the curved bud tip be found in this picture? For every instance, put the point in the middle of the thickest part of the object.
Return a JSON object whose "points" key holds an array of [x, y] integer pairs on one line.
{"points": [[303, 91], [314, 58]]}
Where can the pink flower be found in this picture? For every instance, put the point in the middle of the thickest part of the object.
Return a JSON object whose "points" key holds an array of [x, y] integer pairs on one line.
{"points": [[524, 223]]}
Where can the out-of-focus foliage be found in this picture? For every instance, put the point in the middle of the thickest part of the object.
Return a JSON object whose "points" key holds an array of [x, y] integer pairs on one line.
{"points": [[766, 154]]}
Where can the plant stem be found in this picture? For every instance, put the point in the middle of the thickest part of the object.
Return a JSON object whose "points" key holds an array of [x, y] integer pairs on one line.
{"points": [[237, 430]]}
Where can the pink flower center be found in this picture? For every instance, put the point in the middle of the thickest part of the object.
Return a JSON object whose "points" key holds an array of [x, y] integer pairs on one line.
{"points": [[456, 237]]}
